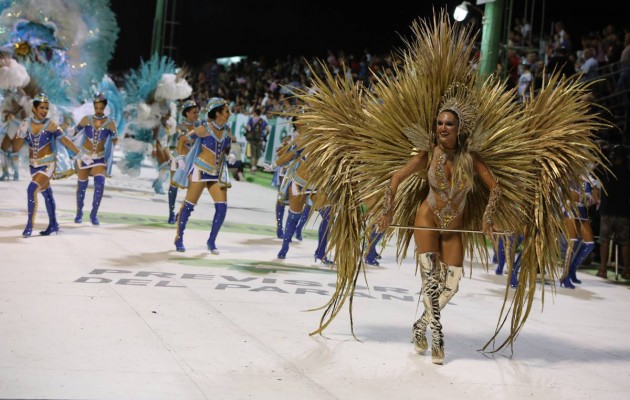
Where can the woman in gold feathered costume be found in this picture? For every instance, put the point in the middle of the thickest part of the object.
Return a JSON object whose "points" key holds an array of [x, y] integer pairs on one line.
{"points": [[439, 147], [448, 169]]}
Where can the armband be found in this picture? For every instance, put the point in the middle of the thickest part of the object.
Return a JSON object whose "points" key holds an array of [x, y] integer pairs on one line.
{"points": [[493, 204]]}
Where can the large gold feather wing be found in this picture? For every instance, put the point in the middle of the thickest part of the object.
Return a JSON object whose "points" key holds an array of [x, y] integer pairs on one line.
{"points": [[355, 139]]}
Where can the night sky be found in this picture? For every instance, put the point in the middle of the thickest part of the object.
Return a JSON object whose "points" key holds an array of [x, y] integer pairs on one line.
{"points": [[275, 28]]}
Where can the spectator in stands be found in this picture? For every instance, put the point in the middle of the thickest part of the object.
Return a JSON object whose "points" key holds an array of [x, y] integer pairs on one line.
{"points": [[561, 36], [256, 131], [560, 61], [623, 83], [524, 83], [588, 68]]}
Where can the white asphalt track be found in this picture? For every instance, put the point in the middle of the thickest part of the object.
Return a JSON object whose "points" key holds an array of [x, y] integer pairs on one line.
{"points": [[113, 312]]}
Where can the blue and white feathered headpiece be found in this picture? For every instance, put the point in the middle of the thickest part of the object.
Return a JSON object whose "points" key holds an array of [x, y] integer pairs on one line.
{"points": [[99, 97], [189, 104], [214, 103], [140, 84], [41, 97]]}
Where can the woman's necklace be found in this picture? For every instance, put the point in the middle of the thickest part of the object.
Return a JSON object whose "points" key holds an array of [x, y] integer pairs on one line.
{"points": [[219, 127]]}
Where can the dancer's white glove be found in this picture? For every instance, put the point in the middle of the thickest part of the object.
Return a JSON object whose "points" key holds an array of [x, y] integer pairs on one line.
{"points": [[269, 168], [231, 158], [87, 160]]}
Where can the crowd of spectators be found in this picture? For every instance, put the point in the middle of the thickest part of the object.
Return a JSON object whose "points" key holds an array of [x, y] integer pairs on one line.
{"points": [[268, 84]]}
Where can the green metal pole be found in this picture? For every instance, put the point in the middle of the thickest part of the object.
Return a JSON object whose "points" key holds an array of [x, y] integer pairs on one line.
{"points": [[158, 25], [490, 38]]}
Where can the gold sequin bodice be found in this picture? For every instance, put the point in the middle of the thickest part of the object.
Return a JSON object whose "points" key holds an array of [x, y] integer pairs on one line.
{"points": [[446, 199]]}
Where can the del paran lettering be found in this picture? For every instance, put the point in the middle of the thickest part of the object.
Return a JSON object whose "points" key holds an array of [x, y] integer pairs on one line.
{"points": [[222, 282]]}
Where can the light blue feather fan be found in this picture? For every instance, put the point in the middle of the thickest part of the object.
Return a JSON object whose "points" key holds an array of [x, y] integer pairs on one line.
{"points": [[44, 78], [98, 48], [115, 102], [140, 84], [76, 38]]}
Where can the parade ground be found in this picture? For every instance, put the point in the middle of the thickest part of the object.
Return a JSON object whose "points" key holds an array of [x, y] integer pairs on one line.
{"points": [[114, 312]]}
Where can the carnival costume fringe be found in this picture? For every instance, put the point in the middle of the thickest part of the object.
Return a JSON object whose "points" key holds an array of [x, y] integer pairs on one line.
{"points": [[355, 139]]}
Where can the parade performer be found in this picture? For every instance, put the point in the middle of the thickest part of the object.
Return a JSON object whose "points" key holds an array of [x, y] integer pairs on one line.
{"points": [[97, 137], [283, 185], [278, 179], [42, 136], [179, 145], [579, 230], [151, 92], [372, 256], [442, 151], [504, 252], [206, 168], [441, 253], [299, 193], [13, 77]]}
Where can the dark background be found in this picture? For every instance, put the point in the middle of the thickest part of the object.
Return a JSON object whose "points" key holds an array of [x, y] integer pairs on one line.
{"points": [[276, 28]]}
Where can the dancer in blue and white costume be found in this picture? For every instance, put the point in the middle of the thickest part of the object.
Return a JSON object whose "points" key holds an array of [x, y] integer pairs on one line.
{"points": [[299, 193], [150, 110], [286, 170], [41, 134], [98, 136], [579, 230], [372, 255], [179, 145], [206, 168], [13, 77], [11, 116], [278, 178]]}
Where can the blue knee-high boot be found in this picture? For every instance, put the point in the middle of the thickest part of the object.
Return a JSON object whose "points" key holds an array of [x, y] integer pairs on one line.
{"points": [[163, 170], [302, 222], [99, 188], [5, 156], [51, 208], [563, 247], [372, 253], [580, 255], [15, 162], [515, 268], [292, 221], [322, 235], [172, 196], [220, 209], [182, 219], [500, 253], [31, 196], [279, 219], [572, 248], [81, 188]]}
